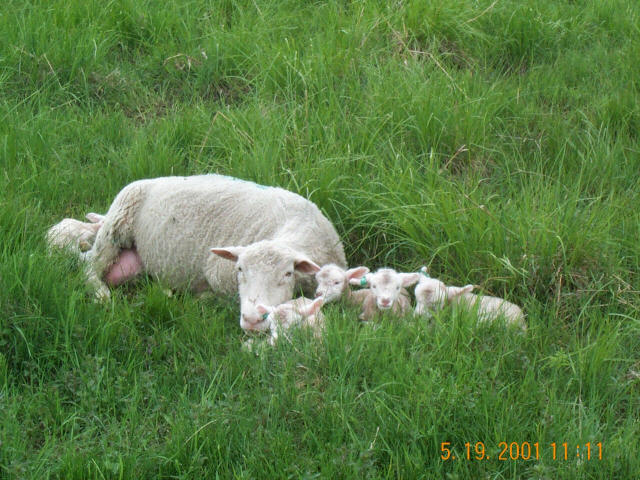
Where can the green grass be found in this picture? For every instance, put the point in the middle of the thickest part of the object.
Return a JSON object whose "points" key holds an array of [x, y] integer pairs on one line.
{"points": [[496, 142]]}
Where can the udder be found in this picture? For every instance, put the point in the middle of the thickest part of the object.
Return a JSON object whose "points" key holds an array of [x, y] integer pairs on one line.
{"points": [[126, 267]]}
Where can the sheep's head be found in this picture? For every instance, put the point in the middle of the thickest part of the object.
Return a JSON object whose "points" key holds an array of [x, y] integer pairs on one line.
{"points": [[267, 272], [386, 285], [333, 280], [432, 294]]}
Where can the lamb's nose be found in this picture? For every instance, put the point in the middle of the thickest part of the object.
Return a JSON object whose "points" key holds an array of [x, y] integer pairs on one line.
{"points": [[318, 294], [385, 302]]}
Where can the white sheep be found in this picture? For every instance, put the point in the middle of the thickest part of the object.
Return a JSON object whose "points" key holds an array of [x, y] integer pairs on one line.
{"points": [[299, 311], [73, 235], [387, 291], [333, 283], [266, 240], [432, 295]]}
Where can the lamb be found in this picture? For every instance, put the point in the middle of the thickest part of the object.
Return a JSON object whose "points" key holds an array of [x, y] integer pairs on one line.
{"points": [[333, 283], [432, 295], [300, 311], [78, 237], [73, 235], [219, 233], [387, 292]]}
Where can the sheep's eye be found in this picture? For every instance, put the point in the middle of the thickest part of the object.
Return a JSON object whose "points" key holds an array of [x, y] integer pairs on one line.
{"points": [[239, 269], [398, 288], [336, 283], [288, 274]]}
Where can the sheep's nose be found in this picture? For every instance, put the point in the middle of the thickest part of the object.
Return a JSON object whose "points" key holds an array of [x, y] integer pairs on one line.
{"points": [[385, 302], [318, 294]]}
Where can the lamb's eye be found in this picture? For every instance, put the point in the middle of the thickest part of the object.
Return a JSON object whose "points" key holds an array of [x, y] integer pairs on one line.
{"points": [[288, 274], [336, 283], [239, 269]]}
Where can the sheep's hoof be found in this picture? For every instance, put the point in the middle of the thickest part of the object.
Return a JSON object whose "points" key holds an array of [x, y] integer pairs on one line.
{"points": [[102, 294]]}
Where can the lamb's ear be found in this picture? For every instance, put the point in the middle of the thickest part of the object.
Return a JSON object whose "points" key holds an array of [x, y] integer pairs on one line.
{"points": [[312, 308], [229, 253], [303, 264], [362, 281], [84, 246], [356, 273], [94, 217], [409, 279], [263, 309], [453, 292]]}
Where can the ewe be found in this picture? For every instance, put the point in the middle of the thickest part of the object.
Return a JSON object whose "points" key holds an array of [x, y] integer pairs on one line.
{"points": [[266, 240]]}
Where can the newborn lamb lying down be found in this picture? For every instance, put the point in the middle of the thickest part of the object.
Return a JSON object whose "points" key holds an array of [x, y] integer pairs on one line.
{"points": [[299, 311], [73, 235], [333, 283], [77, 237], [432, 295], [386, 292]]}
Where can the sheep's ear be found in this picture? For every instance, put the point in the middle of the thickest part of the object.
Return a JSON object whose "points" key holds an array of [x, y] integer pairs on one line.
{"points": [[229, 253], [453, 292], [356, 273], [263, 309], [312, 308], [409, 279], [362, 281], [305, 265], [94, 217]]}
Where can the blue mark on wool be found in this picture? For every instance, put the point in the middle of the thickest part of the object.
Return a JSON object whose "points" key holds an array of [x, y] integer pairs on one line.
{"points": [[235, 179]]}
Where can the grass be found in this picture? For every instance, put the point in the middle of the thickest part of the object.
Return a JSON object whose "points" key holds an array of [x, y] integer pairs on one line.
{"points": [[495, 142]]}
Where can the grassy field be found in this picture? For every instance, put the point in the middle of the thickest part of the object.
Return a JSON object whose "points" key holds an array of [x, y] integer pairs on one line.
{"points": [[496, 142]]}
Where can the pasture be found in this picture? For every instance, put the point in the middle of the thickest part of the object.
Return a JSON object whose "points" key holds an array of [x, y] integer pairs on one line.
{"points": [[496, 142]]}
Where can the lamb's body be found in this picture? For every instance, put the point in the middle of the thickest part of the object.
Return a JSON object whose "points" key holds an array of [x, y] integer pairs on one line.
{"points": [[490, 308], [432, 295], [173, 222], [73, 235]]}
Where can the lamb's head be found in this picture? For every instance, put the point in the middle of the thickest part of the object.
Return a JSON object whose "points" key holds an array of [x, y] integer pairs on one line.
{"points": [[286, 315], [267, 272], [75, 235], [432, 294], [386, 285], [333, 280]]}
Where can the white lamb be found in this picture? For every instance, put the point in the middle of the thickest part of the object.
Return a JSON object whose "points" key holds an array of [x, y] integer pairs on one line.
{"points": [[300, 311], [333, 283], [73, 235], [386, 292], [266, 240], [432, 295]]}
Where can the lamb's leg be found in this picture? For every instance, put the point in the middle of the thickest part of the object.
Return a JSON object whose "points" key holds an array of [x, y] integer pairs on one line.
{"points": [[369, 308]]}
